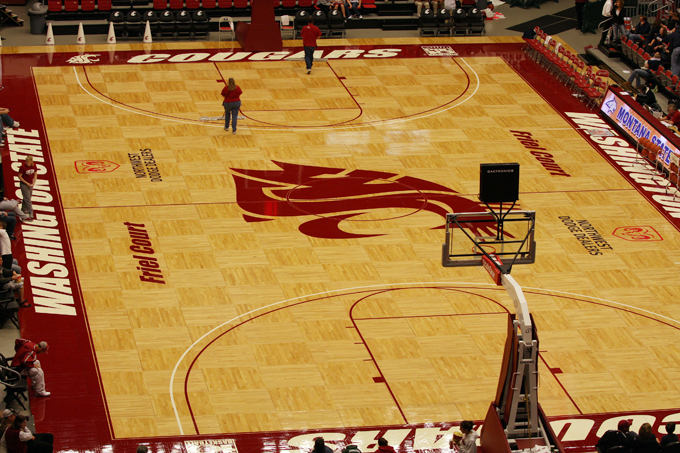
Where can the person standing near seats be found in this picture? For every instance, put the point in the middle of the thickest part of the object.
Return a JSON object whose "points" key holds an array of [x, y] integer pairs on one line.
{"points": [[618, 24], [28, 175], [232, 104], [579, 13], [310, 33], [26, 359], [607, 24]]}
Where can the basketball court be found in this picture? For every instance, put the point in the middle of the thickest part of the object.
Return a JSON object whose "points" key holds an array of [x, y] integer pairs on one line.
{"points": [[255, 290]]}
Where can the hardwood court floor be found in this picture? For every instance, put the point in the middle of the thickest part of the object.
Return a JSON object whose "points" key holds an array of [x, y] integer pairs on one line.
{"points": [[269, 320]]}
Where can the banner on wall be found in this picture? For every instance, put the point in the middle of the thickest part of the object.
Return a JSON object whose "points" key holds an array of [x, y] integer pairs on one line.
{"points": [[635, 124]]}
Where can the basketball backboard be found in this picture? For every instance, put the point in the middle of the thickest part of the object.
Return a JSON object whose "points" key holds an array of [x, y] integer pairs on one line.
{"points": [[471, 235]]}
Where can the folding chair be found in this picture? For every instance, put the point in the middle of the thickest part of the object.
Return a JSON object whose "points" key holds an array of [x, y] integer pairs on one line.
{"points": [[225, 24], [15, 384]]}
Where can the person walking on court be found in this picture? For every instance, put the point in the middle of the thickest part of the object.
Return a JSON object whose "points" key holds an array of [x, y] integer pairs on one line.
{"points": [[28, 175], [309, 34], [232, 104]]}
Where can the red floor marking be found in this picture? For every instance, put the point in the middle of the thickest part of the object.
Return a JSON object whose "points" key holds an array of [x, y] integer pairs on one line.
{"points": [[77, 413]]}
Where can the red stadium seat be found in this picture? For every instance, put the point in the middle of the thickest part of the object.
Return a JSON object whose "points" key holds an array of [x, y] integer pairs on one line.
{"points": [[288, 3], [305, 3], [71, 5], [224, 3], [87, 5], [240, 3], [104, 5], [277, 3], [209, 4], [176, 4], [368, 4], [193, 4], [160, 4], [54, 5]]}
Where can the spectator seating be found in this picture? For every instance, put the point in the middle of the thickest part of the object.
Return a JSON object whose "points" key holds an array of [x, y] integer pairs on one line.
{"points": [[240, 3], [166, 24], [70, 5], [226, 25], [476, 21], [209, 4], [87, 5], [201, 24], [118, 20], [54, 6], [289, 3], [152, 18], [184, 24], [443, 19], [336, 24], [224, 4], [428, 22], [133, 24], [301, 18], [305, 3], [176, 4], [321, 21], [104, 5], [460, 22], [368, 5], [193, 4]]}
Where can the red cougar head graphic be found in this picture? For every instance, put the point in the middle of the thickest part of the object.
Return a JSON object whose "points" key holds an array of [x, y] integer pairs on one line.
{"points": [[332, 195]]}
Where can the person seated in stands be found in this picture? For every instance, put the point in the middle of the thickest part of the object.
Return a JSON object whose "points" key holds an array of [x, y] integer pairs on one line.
{"points": [[641, 30], [420, 4], [8, 261], [339, 4], [673, 20], [20, 439], [615, 438], [383, 447], [646, 72], [658, 44], [646, 97], [11, 281], [673, 117], [320, 446], [670, 437], [451, 5], [7, 121], [353, 7], [324, 5], [646, 441], [26, 361]]}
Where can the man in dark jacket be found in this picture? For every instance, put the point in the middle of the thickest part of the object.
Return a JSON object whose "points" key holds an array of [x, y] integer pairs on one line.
{"points": [[641, 30]]}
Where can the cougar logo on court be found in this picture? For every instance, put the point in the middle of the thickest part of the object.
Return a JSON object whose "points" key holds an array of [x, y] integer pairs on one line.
{"points": [[329, 196], [83, 59], [95, 166], [637, 233]]}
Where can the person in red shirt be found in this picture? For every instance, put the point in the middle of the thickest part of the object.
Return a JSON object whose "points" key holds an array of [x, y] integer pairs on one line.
{"points": [[673, 116], [383, 447], [26, 359], [232, 104], [309, 34], [28, 175]]}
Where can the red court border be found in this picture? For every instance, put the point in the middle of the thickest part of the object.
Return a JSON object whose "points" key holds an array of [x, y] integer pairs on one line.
{"points": [[72, 372]]}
